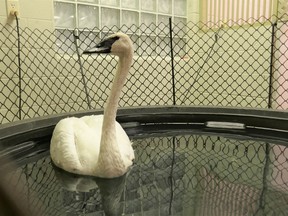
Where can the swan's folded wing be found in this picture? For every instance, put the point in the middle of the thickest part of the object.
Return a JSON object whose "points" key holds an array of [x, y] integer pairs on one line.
{"points": [[62, 149]]}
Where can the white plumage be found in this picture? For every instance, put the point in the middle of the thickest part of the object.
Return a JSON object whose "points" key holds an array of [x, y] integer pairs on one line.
{"points": [[97, 145]]}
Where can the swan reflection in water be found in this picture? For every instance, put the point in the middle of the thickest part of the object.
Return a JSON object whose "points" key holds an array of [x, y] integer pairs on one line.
{"points": [[146, 187], [91, 188]]}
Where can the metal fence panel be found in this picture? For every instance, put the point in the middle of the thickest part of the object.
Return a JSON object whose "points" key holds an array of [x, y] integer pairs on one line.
{"points": [[180, 63]]}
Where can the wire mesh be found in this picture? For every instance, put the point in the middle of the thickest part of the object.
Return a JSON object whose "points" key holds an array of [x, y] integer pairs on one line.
{"points": [[172, 175], [198, 175], [225, 66]]}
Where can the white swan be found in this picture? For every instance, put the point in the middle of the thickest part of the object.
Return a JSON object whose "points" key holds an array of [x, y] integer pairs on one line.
{"points": [[97, 145]]}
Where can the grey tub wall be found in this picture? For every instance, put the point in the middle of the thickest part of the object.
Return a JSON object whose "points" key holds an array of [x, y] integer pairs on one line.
{"points": [[258, 122]]}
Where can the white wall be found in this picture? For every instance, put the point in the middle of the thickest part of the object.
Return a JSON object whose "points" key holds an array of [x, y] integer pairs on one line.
{"points": [[63, 72], [33, 14], [38, 14], [241, 58], [193, 13]]}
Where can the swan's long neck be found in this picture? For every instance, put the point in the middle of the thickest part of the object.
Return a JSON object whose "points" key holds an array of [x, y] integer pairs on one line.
{"points": [[109, 149], [110, 111]]}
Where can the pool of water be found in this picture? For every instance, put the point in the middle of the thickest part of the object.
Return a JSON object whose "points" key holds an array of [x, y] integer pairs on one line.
{"points": [[173, 174]]}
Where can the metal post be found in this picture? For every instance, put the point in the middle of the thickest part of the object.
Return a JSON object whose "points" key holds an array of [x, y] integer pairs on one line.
{"points": [[274, 25], [76, 38], [174, 103], [19, 71], [172, 60]]}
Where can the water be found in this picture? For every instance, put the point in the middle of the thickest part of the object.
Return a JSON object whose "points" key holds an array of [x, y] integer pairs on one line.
{"points": [[180, 174]]}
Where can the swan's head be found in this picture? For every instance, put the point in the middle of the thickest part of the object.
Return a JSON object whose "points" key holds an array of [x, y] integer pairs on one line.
{"points": [[118, 44]]}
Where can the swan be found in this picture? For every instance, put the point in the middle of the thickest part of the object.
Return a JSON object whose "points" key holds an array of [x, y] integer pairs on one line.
{"points": [[97, 145]]}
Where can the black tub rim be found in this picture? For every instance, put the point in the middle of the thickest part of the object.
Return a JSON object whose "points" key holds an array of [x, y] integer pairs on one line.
{"points": [[271, 123]]}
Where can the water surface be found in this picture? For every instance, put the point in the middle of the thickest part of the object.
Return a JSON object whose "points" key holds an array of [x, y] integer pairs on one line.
{"points": [[195, 175]]}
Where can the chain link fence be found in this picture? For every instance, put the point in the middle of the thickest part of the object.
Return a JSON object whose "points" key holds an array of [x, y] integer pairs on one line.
{"points": [[44, 72]]}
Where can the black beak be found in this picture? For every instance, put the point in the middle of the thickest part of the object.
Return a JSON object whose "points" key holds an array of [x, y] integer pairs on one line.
{"points": [[103, 47]]}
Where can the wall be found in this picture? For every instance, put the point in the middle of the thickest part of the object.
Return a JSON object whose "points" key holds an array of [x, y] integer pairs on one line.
{"points": [[237, 67], [33, 14], [225, 79], [52, 72], [193, 14], [234, 62]]}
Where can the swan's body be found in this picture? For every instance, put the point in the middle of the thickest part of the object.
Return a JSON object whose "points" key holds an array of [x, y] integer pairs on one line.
{"points": [[97, 145]]}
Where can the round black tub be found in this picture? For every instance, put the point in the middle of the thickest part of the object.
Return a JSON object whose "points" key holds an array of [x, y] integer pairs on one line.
{"points": [[189, 161]]}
